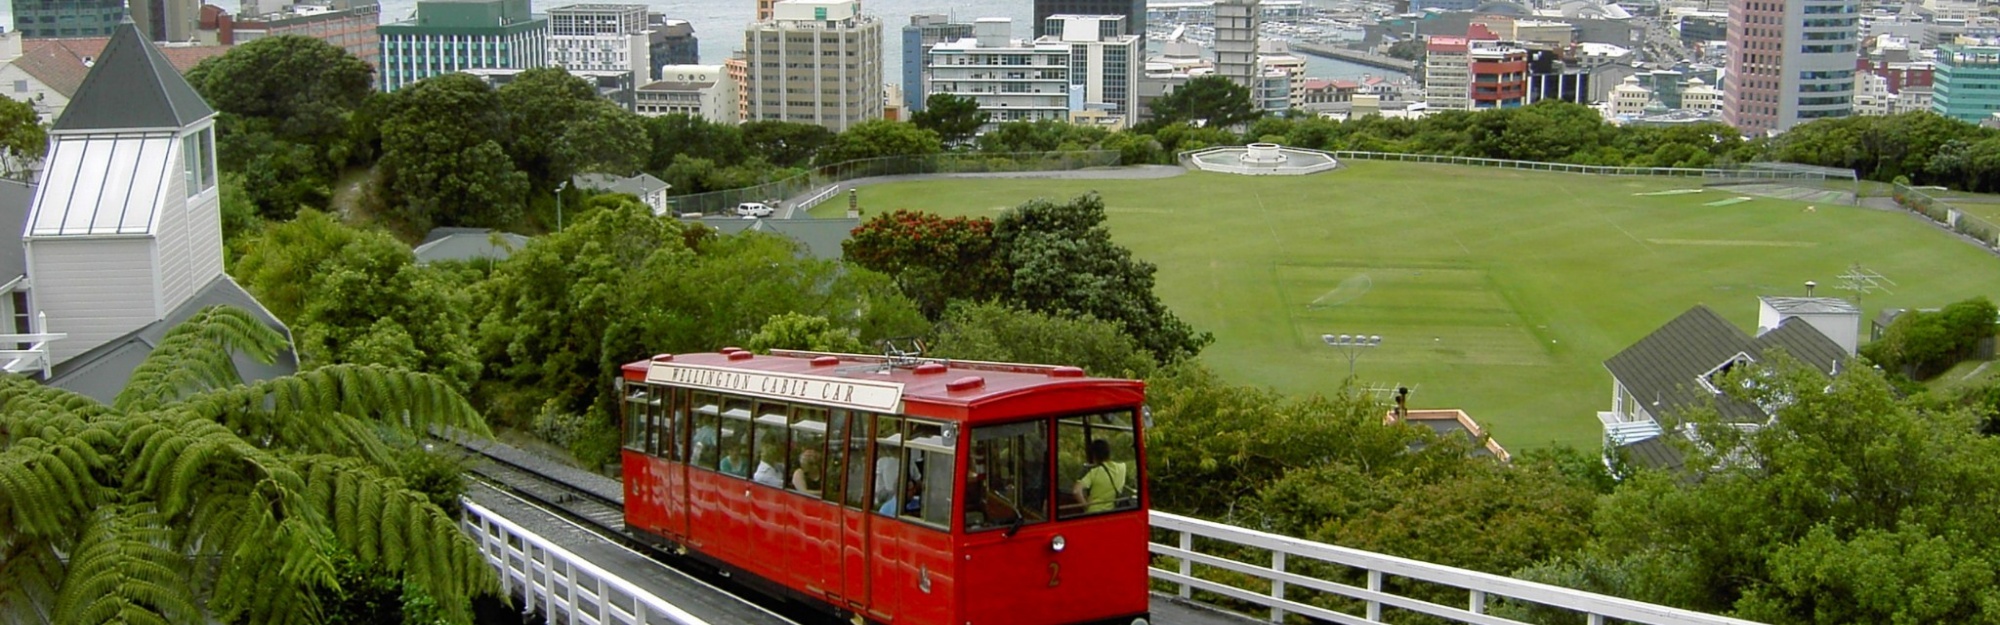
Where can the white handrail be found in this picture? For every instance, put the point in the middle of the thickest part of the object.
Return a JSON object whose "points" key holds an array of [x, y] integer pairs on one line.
{"points": [[1479, 586], [560, 582]]}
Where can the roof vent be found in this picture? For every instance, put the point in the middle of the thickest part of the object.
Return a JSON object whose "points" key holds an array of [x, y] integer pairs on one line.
{"points": [[740, 355], [825, 361], [730, 350], [1066, 372], [662, 357], [965, 383], [930, 368]]}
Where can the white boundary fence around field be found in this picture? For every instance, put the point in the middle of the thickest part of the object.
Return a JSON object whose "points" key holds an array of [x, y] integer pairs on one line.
{"points": [[559, 585], [1480, 588], [1747, 173]]}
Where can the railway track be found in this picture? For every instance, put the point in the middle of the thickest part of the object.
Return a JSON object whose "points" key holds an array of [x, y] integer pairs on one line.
{"points": [[603, 514]]}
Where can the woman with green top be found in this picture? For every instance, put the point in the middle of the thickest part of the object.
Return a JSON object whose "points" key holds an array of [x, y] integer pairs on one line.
{"points": [[1102, 481]]}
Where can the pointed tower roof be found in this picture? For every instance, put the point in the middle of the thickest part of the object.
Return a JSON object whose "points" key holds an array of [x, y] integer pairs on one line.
{"points": [[132, 86]]}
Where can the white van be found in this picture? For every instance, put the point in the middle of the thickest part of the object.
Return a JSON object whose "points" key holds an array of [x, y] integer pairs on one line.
{"points": [[754, 209]]}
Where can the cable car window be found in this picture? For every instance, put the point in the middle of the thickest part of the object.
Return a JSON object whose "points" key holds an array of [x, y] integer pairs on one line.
{"points": [[656, 416], [705, 445], [808, 450], [891, 493], [838, 446], [858, 491], [772, 459], [636, 396], [673, 422], [1097, 461], [735, 437], [932, 453], [1007, 476]]}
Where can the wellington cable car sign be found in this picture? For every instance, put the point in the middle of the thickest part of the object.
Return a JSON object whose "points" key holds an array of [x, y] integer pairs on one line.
{"points": [[869, 395]]}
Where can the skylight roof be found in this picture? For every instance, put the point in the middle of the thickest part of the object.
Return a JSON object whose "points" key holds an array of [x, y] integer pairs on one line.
{"points": [[106, 184]]}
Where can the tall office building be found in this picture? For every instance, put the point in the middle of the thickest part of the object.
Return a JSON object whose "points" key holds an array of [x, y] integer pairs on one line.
{"points": [[350, 27], [1499, 74], [1236, 24], [672, 42], [453, 35], [1133, 10], [166, 20], [37, 19], [1789, 62], [924, 32], [1966, 84], [601, 38], [1105, 63], [814, 62], [1012, 80], [1448, 73]]}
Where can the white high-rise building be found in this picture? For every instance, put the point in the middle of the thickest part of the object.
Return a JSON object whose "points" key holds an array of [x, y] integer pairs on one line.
{"points": [[1275, 55], [1011, 79], [1236, 23], [601, 38], [1448, 74], [1104, 63], [815, 62]]}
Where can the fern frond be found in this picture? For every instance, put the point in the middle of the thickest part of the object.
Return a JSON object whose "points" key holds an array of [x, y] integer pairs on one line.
{"points": [[48, 486], [196, 356], [30, 571], [384, 524], [172, 457], [301, 411], [121, 572]]}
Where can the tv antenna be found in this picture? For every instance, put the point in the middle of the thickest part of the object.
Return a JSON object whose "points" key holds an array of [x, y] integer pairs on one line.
{"points": [[1862, 281]]}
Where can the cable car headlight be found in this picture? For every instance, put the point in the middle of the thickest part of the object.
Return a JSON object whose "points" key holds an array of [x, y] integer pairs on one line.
{"points": [[1056, 544]]}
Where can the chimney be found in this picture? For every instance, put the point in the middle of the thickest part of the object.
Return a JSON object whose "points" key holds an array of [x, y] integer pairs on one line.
{"points": [[1809, 287]]}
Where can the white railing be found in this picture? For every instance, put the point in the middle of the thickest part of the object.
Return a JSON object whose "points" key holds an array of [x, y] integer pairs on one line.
{"points": [[1684, 172], [36, 357], [1480, 588], [562, 587]]}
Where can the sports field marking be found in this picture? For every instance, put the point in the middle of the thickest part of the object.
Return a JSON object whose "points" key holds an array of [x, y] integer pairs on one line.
{"points": [[1349, 290], [1735, 200], [1733, 243], [1672, 192]]}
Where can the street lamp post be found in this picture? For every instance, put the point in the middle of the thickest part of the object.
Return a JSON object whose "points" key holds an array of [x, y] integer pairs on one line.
{"points": [[1351, 345], [559, 190]]}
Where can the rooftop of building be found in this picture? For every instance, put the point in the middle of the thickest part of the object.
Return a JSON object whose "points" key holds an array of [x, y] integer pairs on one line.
{"points": [[62, 63]]}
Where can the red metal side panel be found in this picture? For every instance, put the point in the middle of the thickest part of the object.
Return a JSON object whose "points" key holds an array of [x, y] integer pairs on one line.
{"points": [[1099, 574], [655, 495], [914, 576], [718, 515]]}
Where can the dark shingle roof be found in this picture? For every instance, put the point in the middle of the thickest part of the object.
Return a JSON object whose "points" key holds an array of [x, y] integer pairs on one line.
{"points": [[102, 372], [1662, 371], [132, 85], [1652, 453], [62, 63], [464, 244]]}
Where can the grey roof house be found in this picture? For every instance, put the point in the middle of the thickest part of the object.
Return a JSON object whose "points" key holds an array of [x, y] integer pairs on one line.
{"points": [[1677, 368], [651, 191], [819, 238], [466, 244], [122, 237]]}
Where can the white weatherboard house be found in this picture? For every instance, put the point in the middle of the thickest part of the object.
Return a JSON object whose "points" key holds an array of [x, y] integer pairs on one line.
{"points": [[123, 238]]}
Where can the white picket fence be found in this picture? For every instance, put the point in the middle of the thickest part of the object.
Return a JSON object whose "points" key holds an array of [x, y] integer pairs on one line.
{"points": [[559, 585]]}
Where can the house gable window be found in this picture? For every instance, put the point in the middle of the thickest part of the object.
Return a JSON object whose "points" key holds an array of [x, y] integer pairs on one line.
{"points": [[1713, 378]]}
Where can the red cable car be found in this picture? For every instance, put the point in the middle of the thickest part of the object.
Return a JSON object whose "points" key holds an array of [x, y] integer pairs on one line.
{"points": [[893, 490]]}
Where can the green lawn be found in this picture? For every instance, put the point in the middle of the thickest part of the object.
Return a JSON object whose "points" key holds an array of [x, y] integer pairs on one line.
{"points": [[1497, 291]]}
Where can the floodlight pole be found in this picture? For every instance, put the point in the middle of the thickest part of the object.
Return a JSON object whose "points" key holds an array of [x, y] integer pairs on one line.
{"points": [[1351, 345], [559, 190]]}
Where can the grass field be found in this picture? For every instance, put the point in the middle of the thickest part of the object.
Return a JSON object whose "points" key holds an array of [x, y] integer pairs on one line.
{"points": [[1497, 291]]}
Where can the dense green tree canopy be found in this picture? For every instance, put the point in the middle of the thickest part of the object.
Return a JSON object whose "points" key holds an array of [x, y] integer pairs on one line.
{"points": [[442, 164], [285, 110], [21, 136], [1210, 100], [879, 138], [558, 126], [934, 259], [953, 118], [198, 498], [1058, 258], [358, 296], [679, 134], [993, 332], [785, 144]]}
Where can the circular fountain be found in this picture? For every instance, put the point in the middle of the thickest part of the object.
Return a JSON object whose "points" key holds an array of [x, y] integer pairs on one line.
{"points": [[1263, 154], [1261, 159]]}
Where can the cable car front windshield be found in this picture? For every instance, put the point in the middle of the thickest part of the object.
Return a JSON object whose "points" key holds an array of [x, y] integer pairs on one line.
{"points": [[1007, 476]]}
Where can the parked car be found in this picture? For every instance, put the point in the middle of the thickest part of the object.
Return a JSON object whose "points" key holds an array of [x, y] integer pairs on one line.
{"points": [[754, 209]]}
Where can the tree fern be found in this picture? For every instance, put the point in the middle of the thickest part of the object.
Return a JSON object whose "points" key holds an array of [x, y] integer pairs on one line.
{"points": [[121, 572], [198, 498]]}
